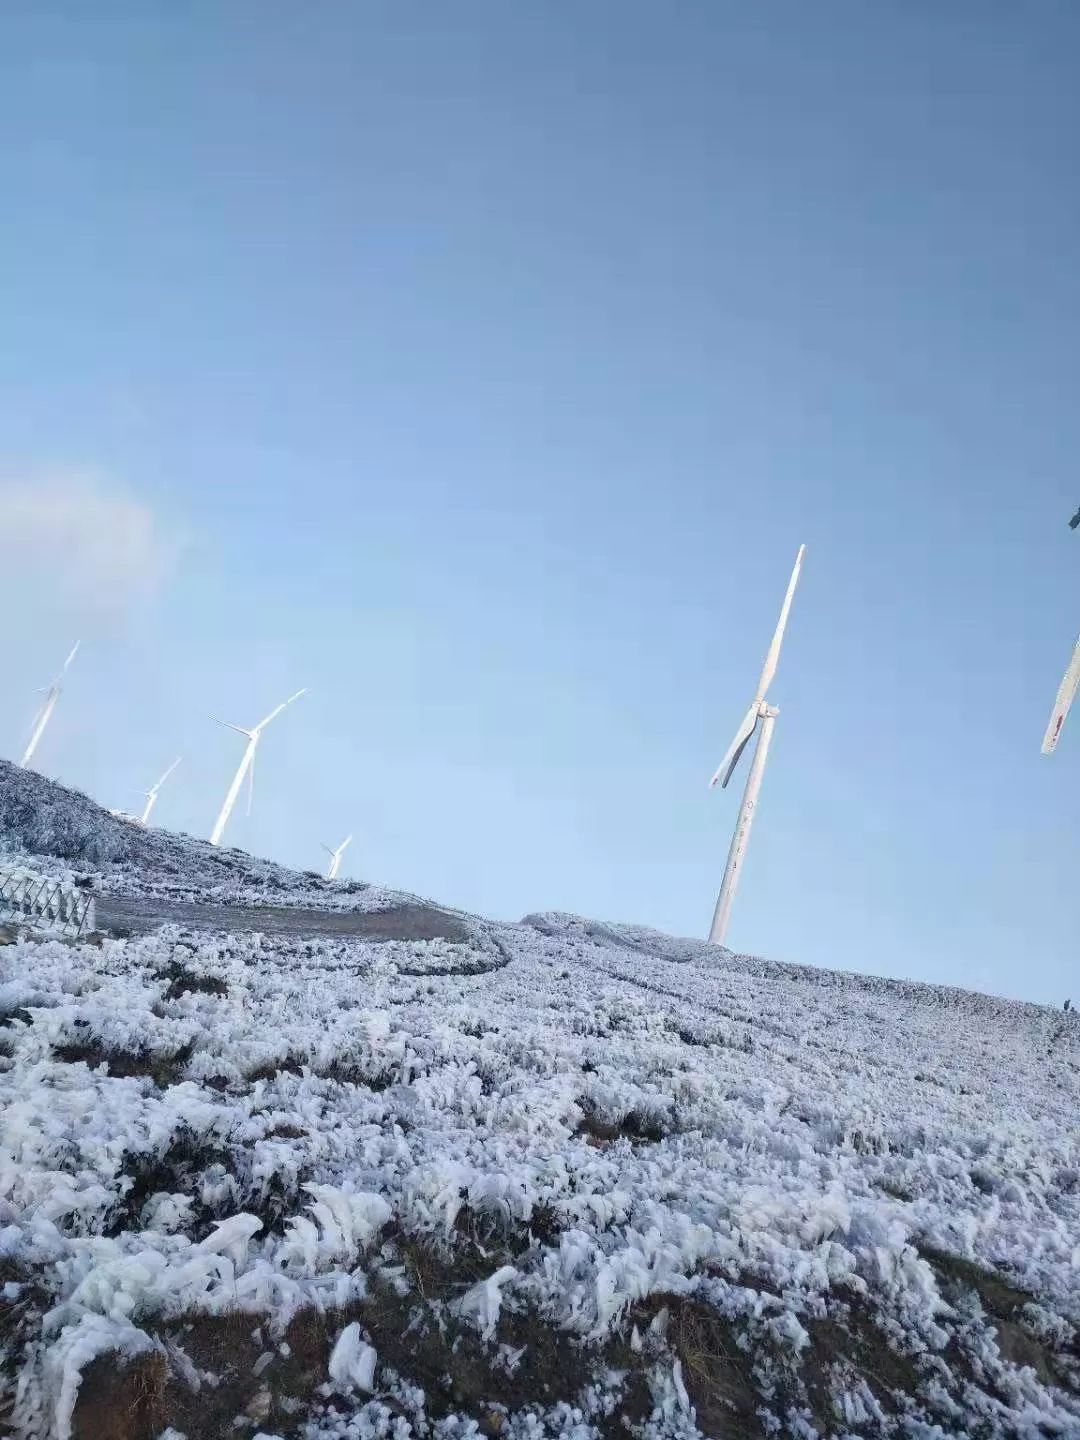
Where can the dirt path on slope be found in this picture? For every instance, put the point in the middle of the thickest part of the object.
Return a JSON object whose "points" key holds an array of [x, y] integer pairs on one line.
{"points": [[404, 922]]}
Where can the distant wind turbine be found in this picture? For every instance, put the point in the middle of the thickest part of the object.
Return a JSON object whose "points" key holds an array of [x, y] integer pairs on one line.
{"points": [[49, 705], [152, 793], [335, 857], [1063, 702], [247, 765], [766, 713], [1070, 683]]}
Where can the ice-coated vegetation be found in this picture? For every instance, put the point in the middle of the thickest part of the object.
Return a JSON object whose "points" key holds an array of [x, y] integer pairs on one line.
{"points": [[66, 832], [559, 1178]]}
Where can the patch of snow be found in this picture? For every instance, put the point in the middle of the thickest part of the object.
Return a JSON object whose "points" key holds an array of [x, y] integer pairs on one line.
{"points": [[352, 1360]]}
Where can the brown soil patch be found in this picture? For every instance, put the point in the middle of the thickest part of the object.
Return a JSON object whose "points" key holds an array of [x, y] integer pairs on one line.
{"points": [[182, 979], [1004, 1303], [122, 1402], [348, 1071], [1019, 1347], [634, 1126], [420, 1335], [271, 1069], [183, 1166], [285, 1131], [176, 1170], [998, 1296], [850, 1344], [458, 1370], [716, 1372], [20, 1321], [163, 1069]]}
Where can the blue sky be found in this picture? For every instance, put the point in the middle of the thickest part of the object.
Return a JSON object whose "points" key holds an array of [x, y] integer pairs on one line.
{"points": [[482, 367]]}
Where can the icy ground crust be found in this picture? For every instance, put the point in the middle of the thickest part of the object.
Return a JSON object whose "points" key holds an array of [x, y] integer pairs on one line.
{"points": [[67, 835], [557, 1179]]}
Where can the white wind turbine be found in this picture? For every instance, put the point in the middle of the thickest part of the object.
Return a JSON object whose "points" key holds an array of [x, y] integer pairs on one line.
{"points": [[45, 713], [761, 711], [1066, 695], [335, 857], [152, 793], [1070, 683], [246, 766]]}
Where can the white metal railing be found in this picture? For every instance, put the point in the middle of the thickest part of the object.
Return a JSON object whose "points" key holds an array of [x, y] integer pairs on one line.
{"points": [[33, 899]]}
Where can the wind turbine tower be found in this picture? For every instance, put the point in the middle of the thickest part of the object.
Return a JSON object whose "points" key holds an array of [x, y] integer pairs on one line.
{"points": [[761, 717], [1070, 683], [45, 713], [246, 766], [152, 793], [335, 857]]}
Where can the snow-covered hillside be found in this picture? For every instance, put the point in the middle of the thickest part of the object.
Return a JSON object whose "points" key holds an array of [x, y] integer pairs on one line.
{"points": [[69, 831], [560, 1178]]}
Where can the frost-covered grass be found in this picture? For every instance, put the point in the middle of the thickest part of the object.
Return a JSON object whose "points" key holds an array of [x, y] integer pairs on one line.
{"points": [[562, 1179], [68, 834]]}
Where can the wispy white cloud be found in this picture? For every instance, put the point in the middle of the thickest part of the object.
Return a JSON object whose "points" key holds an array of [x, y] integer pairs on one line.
{"points": [[85, 538]]}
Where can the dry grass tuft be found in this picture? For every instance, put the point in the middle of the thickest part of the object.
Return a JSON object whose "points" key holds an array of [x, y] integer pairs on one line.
{"points": [[125, 1402], [163, 1069]]}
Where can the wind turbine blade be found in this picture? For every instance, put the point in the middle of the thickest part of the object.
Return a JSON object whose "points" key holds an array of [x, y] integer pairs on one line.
{"points": [[278, 709], [1065, 696], [738, 745], [41, 720], [40, 711], [228, 726], [344, 844], [251, 783], [155, 788], [74, 652], [768, 670], [261, 726]]}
